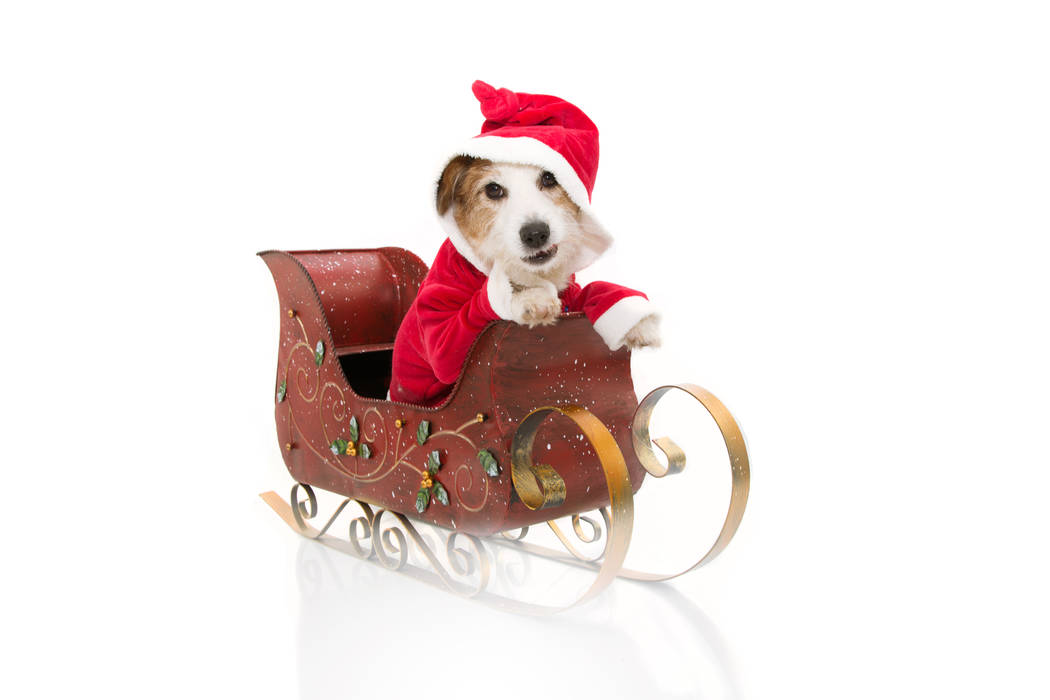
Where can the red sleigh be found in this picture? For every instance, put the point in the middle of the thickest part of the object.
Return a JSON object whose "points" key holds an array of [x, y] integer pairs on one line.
{"points": [[542, 423]]}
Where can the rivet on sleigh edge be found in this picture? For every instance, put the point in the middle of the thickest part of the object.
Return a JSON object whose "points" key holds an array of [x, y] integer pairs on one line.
{"points": [[288, 446], [480, 417], [291, 313], [399, 423]]}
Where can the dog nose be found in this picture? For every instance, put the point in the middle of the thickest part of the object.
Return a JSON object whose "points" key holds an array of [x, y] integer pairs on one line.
{"points": [[535, 234]]}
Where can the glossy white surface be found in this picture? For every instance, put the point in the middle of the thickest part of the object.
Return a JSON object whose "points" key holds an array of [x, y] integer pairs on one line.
{"points": [[842, 212]]}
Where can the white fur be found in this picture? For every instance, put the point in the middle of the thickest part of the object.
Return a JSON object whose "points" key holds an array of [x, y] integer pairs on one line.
{"points": [[579, 242], [527, 293], [533, 306]]}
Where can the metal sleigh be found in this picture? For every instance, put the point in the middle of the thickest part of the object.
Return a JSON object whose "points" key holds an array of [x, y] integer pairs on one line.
{"points": [[468, 466]]}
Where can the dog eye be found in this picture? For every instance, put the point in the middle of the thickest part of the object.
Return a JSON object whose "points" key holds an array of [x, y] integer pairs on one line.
{"points": [[494, 191], [547, 180]]}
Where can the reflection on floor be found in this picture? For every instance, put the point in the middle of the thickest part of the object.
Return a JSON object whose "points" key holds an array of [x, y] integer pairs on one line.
{"points": [[367, 629]]}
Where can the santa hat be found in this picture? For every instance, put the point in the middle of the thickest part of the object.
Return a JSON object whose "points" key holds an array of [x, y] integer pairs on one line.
{"points": [[540, 130]]}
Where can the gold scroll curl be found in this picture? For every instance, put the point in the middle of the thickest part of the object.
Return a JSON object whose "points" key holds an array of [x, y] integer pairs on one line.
{"points": [[389, 538], [392, 544], [738, 464], [540, 486]]}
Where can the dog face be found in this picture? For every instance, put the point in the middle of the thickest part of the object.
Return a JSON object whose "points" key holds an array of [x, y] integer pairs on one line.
{"points": [[520, 217]]}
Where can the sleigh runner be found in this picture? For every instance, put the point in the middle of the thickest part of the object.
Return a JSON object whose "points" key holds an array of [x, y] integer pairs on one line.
{"points": [[542, 423]]}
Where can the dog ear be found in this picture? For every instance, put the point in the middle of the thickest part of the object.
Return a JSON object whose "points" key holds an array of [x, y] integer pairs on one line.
{"points": [[449, 181], [593, 239]]}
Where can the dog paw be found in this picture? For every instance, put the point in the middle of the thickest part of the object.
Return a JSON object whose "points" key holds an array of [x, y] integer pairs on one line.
{"points": [[644, 334], [536, 306]]}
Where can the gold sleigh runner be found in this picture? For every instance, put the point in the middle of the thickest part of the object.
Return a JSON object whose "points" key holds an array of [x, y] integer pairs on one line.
{"points": [[394, 541]]}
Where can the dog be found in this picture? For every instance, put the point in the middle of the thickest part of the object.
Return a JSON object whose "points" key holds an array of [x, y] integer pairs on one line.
{"points": [[515, 204], [521, 223], [517, 222]]}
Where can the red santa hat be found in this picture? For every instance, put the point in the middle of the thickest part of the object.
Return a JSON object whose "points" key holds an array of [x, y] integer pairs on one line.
{"points": [[540, 130]]}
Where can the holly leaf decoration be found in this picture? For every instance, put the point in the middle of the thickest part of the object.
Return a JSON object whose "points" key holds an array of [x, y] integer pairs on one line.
{"points": [[353, 428], [364, 450], [433, 462], [439, 493], [488, 463], [423, 431], [422, 500], [282, 391], [339, 446], [319, 353]]}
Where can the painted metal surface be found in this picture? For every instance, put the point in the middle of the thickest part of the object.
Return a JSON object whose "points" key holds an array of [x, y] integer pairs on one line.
{"points": [[340, 311]]}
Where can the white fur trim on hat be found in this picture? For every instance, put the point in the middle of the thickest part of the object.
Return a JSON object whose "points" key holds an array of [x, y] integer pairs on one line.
{"points": [[526, 150], [621, 317]]}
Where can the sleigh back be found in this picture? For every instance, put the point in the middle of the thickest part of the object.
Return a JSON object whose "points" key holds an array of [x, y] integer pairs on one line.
{"points": [[364, 294]]}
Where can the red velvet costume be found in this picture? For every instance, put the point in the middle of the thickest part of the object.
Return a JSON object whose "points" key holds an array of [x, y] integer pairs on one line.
{"points": [[452, 308]]}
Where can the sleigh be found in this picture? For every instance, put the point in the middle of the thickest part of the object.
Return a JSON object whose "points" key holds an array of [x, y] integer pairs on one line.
{"points": [[541, 424]]}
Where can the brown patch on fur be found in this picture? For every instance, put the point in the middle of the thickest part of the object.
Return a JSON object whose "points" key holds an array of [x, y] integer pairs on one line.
{"points": [[474, 212], [563, 200], [449, 181]]}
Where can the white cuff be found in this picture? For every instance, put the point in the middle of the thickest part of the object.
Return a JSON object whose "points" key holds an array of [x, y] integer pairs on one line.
{"points": [[499, 291], [621, 317]]}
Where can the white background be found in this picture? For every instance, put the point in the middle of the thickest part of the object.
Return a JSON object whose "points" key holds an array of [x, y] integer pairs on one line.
{"points": [[842, 209]]}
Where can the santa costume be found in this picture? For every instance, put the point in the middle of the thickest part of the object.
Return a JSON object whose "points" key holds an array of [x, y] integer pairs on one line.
{"points": [[455, 302]]}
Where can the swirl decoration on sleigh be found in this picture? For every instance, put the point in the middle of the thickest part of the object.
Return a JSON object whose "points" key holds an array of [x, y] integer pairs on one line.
{"points": [[467, 466]]}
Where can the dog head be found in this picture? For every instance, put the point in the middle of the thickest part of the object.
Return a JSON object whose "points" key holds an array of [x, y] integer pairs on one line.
{"points": [[520, 217]]}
